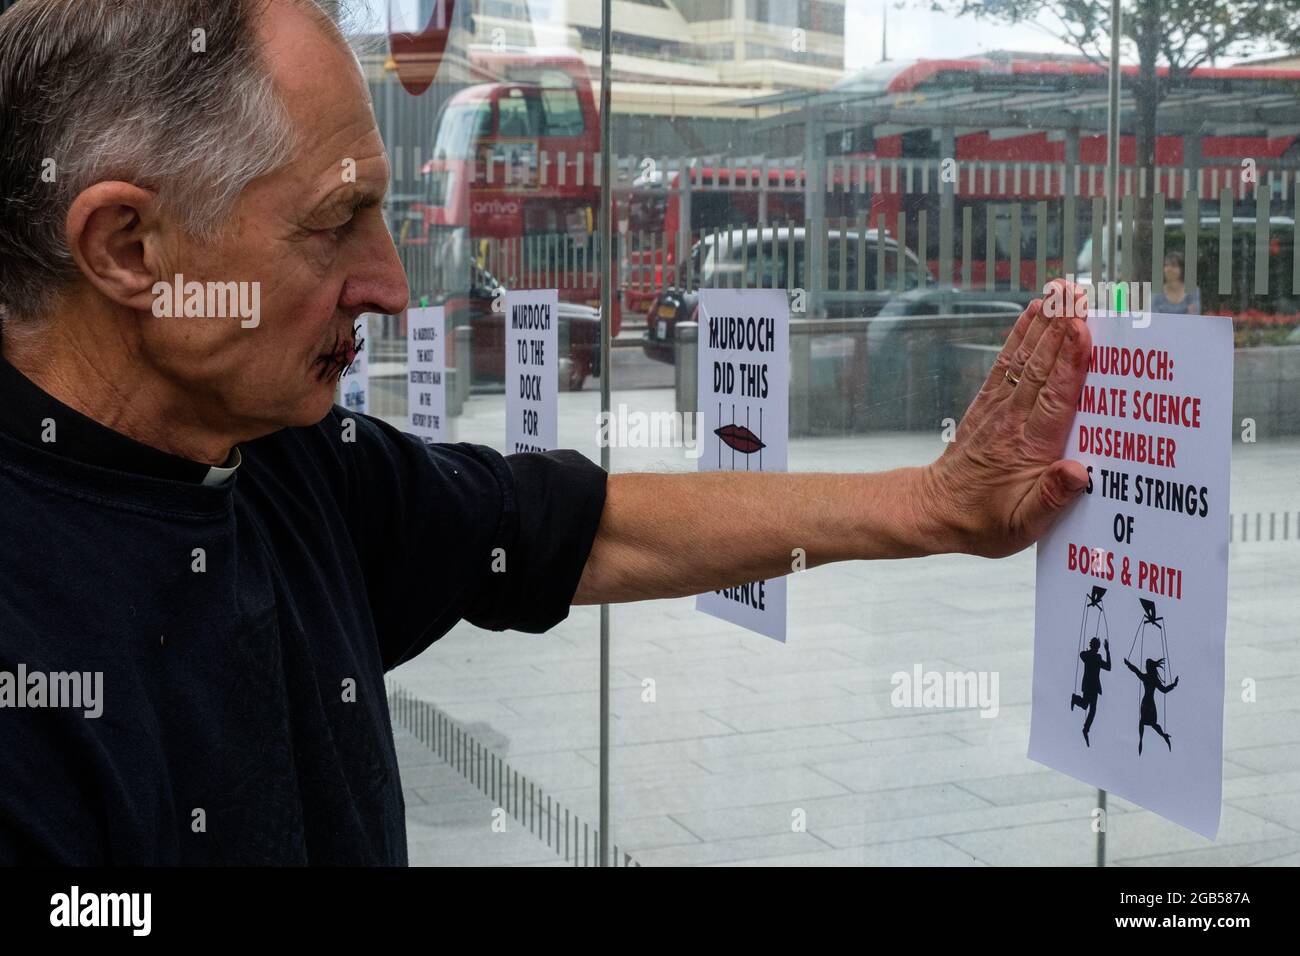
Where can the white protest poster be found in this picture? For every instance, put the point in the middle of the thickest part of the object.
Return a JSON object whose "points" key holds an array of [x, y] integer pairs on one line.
{"points": [[426, 386], [744, 403], [532, 375], [1131, 604], [354, 384]]}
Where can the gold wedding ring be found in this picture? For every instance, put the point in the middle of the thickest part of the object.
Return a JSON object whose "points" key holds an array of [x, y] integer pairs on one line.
{"points": [[1013, 379]]}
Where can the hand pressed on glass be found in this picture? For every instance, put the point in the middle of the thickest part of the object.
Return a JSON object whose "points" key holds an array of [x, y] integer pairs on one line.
{"points": [[993, 491], [1002, 481]]}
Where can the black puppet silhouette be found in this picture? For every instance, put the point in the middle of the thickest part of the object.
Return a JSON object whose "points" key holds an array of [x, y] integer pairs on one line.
{"points": [[1151, 682], [1093, 664], [1150, 677]]}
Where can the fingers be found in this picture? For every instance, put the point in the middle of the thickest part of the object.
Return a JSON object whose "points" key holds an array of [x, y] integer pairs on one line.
{"points": [[1021, 345], [1015, 352], [1020, 330], [1039, 367], [1057, 487], [1018, 356], [995, 385], [1061, 325], [1053, 411], [1042, 322]]}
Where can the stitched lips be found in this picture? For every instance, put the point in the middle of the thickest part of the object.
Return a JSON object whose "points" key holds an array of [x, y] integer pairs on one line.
{"points": [[342, 354], [740, 438]]}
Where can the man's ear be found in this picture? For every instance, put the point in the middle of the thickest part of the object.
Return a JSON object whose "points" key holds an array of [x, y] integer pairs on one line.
{"points": [[114, 236]]}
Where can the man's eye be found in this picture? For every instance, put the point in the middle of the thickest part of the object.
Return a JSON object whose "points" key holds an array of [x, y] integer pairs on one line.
{"points": [[336, 232]]}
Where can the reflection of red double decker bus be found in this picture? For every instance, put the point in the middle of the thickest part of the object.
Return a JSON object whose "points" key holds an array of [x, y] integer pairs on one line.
{"points": [[512, 185], [716, 198], [999, 171], [1002, 174]]}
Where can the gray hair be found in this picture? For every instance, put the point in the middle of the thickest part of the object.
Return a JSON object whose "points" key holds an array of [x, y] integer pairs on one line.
{"points": [[173, 97]]}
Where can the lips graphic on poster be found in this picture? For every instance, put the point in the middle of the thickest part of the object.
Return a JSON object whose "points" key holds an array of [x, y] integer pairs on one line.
{"points": [[418, 55], [739, 438]]}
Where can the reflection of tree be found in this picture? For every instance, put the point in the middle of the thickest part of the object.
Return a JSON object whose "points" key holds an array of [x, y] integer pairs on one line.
{"points": [[1178, 34]]}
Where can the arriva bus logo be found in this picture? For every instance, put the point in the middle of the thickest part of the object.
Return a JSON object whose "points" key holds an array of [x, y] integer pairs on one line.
{"points": [[496, 207]]}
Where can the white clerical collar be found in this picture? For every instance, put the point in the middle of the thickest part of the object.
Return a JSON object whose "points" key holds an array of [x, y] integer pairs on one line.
{"points": [[220, 474]]}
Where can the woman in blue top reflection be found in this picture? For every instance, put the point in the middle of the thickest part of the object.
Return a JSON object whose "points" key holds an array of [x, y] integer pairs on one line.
{"points": [[1174, 297]]}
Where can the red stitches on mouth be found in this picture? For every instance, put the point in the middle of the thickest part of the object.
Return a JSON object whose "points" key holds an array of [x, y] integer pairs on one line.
{"points": [[342, 354]]}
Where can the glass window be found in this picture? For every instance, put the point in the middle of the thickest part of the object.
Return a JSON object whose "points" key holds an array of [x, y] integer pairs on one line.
{"points": [[519, 115], [561, 113], [793, 146], [494, 166], [459, 128]]}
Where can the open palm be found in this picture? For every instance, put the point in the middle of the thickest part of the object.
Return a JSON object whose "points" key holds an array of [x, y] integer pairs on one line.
{"points": [[1002, 482]]}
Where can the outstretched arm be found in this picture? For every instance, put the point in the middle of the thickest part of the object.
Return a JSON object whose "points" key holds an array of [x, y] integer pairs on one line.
{"points": [[1168, 687], [1105, 665], [1132, 668], [994, 491]]}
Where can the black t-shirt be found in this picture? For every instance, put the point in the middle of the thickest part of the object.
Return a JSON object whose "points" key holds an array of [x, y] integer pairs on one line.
{"points": [[242, 631]]}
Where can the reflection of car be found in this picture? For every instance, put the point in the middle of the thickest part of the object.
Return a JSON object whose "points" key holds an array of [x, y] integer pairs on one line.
{"points": [[951, 316], [911, 376], [1243, 227], [955, 309], [1241, 296], [775, 258], [578, 334]]}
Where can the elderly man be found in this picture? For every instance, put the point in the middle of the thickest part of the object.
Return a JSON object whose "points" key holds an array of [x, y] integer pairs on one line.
{"points": [[187, 513]]}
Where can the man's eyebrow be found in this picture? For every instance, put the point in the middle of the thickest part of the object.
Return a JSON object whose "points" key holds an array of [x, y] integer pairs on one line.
{"points": [[351, 197]]}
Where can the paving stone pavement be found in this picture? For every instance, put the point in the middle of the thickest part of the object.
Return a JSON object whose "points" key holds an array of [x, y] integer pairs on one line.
{"points": [[745, 735]]}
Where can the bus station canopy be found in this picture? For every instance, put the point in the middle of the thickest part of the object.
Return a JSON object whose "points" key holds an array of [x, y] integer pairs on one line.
{"points": [[1038, 96]]}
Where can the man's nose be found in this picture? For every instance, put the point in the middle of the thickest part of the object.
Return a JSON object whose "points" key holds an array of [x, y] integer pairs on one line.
{"points": [[376, 280]]}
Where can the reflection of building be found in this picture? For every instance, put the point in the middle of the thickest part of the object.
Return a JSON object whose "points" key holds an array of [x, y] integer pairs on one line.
{"points": [[685, 72], [681, 68], [763, 44]]}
